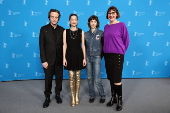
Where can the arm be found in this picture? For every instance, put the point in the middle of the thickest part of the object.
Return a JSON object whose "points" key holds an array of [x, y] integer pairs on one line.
{"points": [[102, 43], [42, 49], [42, 46], [64, 48], [83, 49], [125, 37]]}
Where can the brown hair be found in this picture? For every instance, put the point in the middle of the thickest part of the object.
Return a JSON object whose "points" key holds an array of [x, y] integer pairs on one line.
{"points": [[114, 9], [93, 17], [54, 10]]}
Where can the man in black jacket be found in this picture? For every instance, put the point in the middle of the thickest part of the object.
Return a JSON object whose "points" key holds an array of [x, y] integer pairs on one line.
{"points": [[51, 52]]}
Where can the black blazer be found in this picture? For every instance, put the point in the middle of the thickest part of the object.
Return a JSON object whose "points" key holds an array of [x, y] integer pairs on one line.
{"points": [[51, 51]]}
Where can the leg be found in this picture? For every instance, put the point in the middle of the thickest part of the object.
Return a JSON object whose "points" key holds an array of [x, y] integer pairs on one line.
{"points": [[119, 93], [58, 81], [90, 80], [113, 90], [97, 78], [113, 93], [77, 85], [118, 84], [49, 72], [48, 84], [72, 87]]}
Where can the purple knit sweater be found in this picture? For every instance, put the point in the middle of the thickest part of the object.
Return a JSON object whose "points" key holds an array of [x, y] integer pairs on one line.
{"points": [[116, 38]]}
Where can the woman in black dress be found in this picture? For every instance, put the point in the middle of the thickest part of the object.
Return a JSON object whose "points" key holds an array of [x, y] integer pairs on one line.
{"points": [[74, 58]]}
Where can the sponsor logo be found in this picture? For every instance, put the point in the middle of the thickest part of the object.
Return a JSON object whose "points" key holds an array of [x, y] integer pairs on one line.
{"points": [[146, 63], [24, 2], [36, 55], [136, 73], [46, 2], [4, 45], [147, 43], [137, 54], [157, 34], [153, 72], [157, 13], [2, 23], [17, 55], [156, 54], [88, 2], [150, 2], [137, 13], [130, 2], [67, 2], [6, 65], [109, 2], [137, 34]]}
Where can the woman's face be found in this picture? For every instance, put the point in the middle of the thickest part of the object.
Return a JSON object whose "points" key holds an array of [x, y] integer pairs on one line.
{"points": [[112, 15], [73, 21], [93, 24]]}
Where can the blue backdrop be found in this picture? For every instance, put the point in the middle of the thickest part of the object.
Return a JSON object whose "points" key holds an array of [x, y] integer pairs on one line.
{"points": [[148, 23]]}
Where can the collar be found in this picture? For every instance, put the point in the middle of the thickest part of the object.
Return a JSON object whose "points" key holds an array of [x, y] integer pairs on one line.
{"points": [[93, 32], [53, 27]]}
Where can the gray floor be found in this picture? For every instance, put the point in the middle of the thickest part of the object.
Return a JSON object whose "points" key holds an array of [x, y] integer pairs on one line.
{"points": [[139, 96]]}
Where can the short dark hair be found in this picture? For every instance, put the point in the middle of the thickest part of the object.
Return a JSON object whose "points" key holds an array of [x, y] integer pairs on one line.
{"points": [[114, 9], [54, 10], [93, 17], [71, 16]]}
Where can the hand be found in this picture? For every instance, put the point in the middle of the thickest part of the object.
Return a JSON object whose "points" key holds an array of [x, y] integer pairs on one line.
{"points": [[64, 62], [84, 62], [45, 65]]}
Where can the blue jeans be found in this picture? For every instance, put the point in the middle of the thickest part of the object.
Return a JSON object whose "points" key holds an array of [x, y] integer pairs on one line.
{"points": [[93, 75]]}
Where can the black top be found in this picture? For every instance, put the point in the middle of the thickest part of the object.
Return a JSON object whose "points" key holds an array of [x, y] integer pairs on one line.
{"points": [[74, 53], [51, 51], [54, 32], [73, 39]]}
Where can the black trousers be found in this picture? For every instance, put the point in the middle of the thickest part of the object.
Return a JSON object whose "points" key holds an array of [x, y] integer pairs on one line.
{"points": [[56, 70]]}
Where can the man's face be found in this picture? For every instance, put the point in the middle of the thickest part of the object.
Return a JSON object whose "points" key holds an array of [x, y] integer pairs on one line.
{"points": [[54, 16]]}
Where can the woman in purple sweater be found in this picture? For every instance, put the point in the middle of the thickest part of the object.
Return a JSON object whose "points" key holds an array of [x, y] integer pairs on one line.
{"points": [[116, 41]]}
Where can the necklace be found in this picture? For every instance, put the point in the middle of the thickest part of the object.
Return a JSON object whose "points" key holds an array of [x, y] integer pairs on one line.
{"points": [[73, 34]]}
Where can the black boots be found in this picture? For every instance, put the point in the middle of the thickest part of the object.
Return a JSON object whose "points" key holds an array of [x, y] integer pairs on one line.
{"points": [[119, 104], [119, 93], [116, 89], [47, 102], [112, 101]]}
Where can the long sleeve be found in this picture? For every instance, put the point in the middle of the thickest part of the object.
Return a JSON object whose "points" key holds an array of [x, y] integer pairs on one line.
{"points": [[125, 37], [42, 46]]}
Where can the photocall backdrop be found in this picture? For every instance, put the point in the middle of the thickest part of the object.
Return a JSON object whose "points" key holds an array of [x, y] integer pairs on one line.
{"points": [[148, 23]]}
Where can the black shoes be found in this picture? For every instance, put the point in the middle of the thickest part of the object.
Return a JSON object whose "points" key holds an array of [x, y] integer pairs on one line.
{"points": [[91, 100], [58, 99], [102, 100], [47, 102], [119, 104], [112, 101]]}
